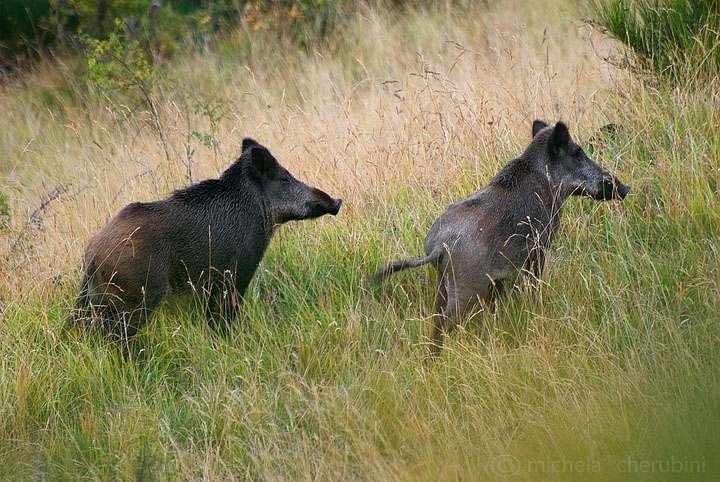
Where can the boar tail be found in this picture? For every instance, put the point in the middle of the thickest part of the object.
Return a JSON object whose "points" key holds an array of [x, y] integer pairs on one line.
{"points": [[401, 265]]}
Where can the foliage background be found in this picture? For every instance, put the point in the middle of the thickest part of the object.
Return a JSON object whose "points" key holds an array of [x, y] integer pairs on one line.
{"points": [[29, 29]]}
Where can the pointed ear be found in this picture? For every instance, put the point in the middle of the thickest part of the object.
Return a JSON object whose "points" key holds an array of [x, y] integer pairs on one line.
{"points": [[609, 128], [262, 161], [538, 125], [248, 143], [559, 139]]}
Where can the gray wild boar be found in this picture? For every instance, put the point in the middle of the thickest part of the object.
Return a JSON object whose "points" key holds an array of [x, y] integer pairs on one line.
{"points": [[504, 229], [209, 237]]}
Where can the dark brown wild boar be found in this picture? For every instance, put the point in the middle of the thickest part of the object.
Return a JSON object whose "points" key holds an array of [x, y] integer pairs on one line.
{"points": [[209, 237], [506, 228]]}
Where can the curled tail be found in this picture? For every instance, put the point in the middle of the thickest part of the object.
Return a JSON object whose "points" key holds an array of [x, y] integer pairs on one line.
{"points": [[401, 265]]}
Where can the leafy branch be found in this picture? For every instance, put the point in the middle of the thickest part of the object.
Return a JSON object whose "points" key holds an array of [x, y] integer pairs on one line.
{"points": [[119, 63]]}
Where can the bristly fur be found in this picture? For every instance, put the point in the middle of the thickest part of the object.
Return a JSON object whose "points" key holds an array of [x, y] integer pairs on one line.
{"points": [[202, 192], [511, 174], [239, 172]]}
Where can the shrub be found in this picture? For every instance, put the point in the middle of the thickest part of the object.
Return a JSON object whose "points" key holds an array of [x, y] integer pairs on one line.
{"points": [[671, 38], [118, 62]]}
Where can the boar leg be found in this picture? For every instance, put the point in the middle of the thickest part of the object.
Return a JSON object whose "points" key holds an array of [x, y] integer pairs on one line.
{"points": [[460, 298], [438, 318], [221, 306], [455, 307], [444, 323], [131, 312], [535, 263], [126, 324]]}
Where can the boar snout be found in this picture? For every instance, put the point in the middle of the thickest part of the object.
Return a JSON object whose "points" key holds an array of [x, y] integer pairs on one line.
{"points": [[614, 189], [621, 189], [611, 188], [322, 204], [336, 206]]}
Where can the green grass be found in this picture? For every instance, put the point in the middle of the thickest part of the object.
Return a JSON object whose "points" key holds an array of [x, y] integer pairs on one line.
{"points": [[608, 371]]}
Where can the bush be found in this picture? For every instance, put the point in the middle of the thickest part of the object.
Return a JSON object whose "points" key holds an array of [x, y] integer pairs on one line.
{"points": [[28, 28], [671, 38]]}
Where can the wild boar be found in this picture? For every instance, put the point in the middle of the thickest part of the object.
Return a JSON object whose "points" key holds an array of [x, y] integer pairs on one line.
{"points": [[479, 243], [208, 237]]}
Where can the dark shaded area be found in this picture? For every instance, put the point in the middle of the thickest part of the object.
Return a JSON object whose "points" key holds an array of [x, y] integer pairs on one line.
{"points": [[34, 28], [22, 29]]}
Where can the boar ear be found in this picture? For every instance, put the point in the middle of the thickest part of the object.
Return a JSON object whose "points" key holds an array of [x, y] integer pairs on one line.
{"points": [[609, 129], [538, 125], [559, 139], [263, 162], [248, 143]]}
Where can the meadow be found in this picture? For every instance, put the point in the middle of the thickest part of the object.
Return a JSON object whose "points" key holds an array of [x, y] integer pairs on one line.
{"points": [[607, 371]]}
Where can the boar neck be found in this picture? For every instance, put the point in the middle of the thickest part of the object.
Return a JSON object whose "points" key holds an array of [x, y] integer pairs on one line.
{"points": [[531, 178], [233, 202]]}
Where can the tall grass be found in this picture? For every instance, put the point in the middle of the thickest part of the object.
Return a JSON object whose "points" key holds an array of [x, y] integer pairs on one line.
{"points": [[607, 372]]}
